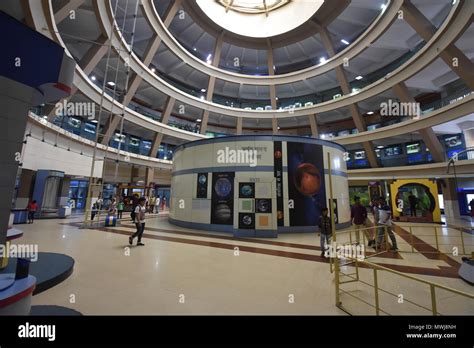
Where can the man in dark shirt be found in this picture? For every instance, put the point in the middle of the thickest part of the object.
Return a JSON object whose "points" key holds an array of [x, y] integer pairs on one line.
{"points": [[325, 228], [358, 219], [412, 200]]}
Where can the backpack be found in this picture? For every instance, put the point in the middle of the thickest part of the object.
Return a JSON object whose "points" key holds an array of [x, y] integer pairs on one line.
{"points": [[132, 214]]}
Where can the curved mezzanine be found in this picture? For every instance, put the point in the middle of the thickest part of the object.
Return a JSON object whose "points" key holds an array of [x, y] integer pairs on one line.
{"points": [[90, 89]]}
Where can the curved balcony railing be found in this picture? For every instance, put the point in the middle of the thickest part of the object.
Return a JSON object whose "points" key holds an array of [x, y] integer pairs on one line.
{"points": [[374, 31], [456, 22], [42, 12]]}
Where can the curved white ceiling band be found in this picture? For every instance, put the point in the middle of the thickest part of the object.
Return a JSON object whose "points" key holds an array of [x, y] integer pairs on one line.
{"points": [[456, 22], [371, 34], [93, 92], [134, 158]]}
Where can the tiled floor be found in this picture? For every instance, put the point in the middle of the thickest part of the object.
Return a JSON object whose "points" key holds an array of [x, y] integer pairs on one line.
{"points": [[181, 271]]}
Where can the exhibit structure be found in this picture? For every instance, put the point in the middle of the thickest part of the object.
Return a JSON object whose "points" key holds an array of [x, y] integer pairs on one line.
{"points": [[415, 200], [258, 186]]}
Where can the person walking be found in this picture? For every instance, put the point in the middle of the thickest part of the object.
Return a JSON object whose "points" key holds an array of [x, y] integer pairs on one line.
{"points": [[359, 219], [120, 207], [163, 203], [32, 208], [158, 202], [385, 222], [151, 207], [325, 230], [94, 210], [139, 219]]}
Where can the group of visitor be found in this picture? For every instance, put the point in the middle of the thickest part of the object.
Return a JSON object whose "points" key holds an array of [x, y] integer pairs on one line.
{"points": [[359, 219]]}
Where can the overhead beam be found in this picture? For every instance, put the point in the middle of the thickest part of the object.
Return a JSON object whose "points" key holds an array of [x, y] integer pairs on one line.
{"points": [[88, 62], [64, 11], [454, 58], [212, 80], [239, 125], [345, 87], [314, 126], [427, 134], [272, 88], [150, 52], [164, 119]]}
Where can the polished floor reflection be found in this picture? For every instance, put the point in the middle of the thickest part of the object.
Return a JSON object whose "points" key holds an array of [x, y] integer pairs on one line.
{"points": [[182, 271]]}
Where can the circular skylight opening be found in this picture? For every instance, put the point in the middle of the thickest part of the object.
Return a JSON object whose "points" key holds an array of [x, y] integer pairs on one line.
{"points": [[253, 6], [259, 18]]}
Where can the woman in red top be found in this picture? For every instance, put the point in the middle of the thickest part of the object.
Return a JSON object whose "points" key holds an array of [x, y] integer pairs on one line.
{"points": [[32, 207]]}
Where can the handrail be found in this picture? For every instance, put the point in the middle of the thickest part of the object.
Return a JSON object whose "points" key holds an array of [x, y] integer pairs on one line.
{"points": [[375, 267], [371, 34]]}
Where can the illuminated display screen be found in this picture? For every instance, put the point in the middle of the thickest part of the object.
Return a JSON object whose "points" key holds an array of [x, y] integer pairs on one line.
{"points": [[413, 148], [453, 141]]}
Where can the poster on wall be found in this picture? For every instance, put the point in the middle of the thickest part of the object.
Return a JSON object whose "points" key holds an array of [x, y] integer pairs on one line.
{"points": [[278, 174], [201, 185], [246, 190], [222, 200], [306, 190], [247, 221]]}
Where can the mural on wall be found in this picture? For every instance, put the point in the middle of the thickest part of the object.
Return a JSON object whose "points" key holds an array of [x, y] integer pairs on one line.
{"points": [[306, 188], [222, 201], [415, 199]]}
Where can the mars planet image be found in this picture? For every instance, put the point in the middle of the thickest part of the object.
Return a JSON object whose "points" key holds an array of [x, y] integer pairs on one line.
{"points": [[307, 179]]}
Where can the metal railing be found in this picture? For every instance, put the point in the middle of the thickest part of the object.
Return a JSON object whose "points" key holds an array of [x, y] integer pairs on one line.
{"points": [[378, 290], [352, 236], [430, 231]]}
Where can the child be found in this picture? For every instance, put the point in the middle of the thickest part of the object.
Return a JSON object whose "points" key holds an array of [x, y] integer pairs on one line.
{"points": [[325, 229], [32, 207], [120, 207]]}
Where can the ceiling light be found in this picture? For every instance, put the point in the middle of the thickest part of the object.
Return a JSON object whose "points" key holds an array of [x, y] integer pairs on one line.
{"points": [[153, 70], [111, 83], [323, 136], [203, 89], [93, 78], [94, 121], [345, 42], [194, 49], [359, 78], [370, 113], [278, 128], [198, 120], [380, 147], [322, 60], [276, 98]]}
